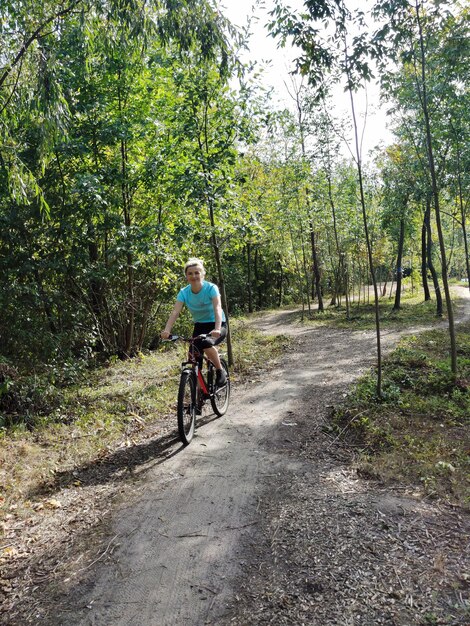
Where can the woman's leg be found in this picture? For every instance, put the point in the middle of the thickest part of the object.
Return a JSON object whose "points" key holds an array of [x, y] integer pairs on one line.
{"points": [[213, 355], [208, 345]]}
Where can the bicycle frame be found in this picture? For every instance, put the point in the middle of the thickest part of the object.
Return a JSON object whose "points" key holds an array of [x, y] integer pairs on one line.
{"points": [[195, 360]]}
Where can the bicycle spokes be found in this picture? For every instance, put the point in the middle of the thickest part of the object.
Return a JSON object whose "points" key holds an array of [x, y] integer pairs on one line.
{"points": [[186, 406], [221, 395]]}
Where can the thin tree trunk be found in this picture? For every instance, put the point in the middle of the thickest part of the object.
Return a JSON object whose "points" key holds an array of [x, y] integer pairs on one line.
{"points": [[384, 287], [130, 304], [304, 262], [280, 284], [316, 268], [204, 149], [126, 208], [435, 193], [399, 268], [424, 269], [366, 278], [99, 304], [432, 269], [45, 302], [340, 273], [299, 275], [220, 277], [259, 295], [346, 288], [248, 263], [221, 283], [463, 216], [368, 240], [143, 326]]}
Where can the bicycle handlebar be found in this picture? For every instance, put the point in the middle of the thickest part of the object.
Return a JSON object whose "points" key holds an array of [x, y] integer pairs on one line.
{"points": [[181, 338]]}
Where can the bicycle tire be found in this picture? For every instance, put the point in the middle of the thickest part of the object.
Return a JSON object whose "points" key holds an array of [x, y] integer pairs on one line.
{"points": [[186, 406], [221, 397]]}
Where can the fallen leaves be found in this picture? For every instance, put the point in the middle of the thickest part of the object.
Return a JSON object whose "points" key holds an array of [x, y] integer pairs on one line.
{"points": [[9, 552], [52, 503]]}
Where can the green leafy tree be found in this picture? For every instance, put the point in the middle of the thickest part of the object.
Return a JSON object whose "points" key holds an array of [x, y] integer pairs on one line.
{"points": [[341, 55], [411, 32], [83, 211]]}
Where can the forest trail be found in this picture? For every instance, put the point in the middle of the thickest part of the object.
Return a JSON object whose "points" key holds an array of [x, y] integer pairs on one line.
{"points": [[261, 520]]}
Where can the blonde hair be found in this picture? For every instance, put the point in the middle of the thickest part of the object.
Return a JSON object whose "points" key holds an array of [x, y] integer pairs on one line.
{"points": [[194, 262]]}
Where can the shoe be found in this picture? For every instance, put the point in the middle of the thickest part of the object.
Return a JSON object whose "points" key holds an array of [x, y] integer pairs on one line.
{"points": [[220, 378]]}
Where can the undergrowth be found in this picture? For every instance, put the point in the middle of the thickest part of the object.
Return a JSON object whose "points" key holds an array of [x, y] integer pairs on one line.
{"points": [[419, 432]]}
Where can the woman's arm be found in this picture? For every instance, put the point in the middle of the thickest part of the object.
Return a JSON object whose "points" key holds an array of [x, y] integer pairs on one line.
{"points": [[172, 319], [216, 303]]}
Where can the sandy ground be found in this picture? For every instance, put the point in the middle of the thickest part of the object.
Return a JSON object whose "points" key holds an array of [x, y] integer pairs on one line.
{"points": [[262, 520]]}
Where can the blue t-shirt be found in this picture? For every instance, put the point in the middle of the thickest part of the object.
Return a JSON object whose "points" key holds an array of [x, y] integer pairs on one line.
{"points": [[200, 304]]}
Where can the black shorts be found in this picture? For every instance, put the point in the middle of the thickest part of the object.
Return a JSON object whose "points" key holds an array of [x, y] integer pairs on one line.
{"points": [[204, 328]]}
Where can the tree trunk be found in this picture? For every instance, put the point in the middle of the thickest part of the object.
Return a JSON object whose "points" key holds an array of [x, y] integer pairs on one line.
{"points": [[130, 303], [129, 308], [304, 263], [367, 237], [316, 269], [203, 148], [435, 193], [340, 274], [220, 275], [399, 268], [424, 269], [97, 287], [299, 274], [463, 216], [432, 269], [280, 284], [248, 263], [45, 302], [259, 294], [346, 290]]}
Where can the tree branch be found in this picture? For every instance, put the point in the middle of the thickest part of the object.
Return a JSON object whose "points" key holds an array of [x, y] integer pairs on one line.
{"points": [[32, 38]]}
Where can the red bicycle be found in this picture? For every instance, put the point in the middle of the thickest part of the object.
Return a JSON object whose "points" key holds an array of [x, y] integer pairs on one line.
{"points": [[195, 389]]}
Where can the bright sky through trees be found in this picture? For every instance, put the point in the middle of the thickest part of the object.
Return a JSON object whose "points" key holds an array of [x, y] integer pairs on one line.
{"points": [[279, 62]]}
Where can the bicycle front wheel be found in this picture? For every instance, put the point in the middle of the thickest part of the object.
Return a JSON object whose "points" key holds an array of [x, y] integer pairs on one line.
{"points": [[221, 396], [186, 406]]}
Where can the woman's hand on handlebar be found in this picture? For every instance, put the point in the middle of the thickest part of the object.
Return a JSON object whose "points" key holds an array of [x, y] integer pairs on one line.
{"points": [[165, 334], [215, 333]]}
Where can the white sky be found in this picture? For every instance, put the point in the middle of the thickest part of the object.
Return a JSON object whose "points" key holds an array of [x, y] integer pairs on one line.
{"points": [[264, 47]]}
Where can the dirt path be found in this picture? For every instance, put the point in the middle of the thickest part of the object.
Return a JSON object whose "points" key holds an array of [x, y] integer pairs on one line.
{"points": [[261, 520]]}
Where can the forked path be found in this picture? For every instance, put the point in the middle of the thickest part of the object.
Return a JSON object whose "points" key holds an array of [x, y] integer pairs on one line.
{"points": [[262, 521]]}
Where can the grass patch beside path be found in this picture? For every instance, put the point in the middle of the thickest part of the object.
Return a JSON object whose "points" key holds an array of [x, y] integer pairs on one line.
{"points": [[112, 407], [413, 312], [419, 434]]}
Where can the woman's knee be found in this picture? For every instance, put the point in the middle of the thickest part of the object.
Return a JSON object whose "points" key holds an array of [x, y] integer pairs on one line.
{"points": [[204, 344]]}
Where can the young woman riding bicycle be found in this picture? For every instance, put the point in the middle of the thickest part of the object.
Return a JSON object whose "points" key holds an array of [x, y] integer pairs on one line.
{"points": [[202, 298]]}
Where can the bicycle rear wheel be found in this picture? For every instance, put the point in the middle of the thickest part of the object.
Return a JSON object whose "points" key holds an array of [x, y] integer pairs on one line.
{"points": [[221, 396], [186, 406]]}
